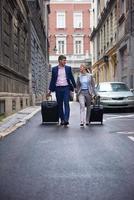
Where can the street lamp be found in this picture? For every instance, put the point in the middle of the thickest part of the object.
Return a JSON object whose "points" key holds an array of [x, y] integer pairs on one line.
{"points": [[105, 58], [55, 49]]}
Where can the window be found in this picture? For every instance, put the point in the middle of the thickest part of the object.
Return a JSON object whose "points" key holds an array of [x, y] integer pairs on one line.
{"points": [[124, 58], [104, 28], [112, 87], [26, 102], [61, 20], [78, 20], [111, 26], [21, 103], [7, 36], [131, 81], [122, 7], [78, 45], [107, 32], [2, 107], [13, 105], [61, 45], [101, 39], [99, 9]]}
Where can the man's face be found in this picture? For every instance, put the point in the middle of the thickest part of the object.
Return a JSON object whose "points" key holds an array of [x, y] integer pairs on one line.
{"points": [[62, 62]]}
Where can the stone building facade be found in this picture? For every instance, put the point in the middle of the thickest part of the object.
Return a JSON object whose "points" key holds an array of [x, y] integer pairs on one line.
{"points": [[39, 58], [125, 45], [24, 57], [14, 56], [104, 39], [113, 41]]}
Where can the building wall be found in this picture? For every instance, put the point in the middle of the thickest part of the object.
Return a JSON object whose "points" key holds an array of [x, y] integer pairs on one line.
{"points": [[14, 63], [24, 54], [126, 42], [38, 68], [46, 6], [39, 62], [104, 39], [69, 32], [115, 35]]}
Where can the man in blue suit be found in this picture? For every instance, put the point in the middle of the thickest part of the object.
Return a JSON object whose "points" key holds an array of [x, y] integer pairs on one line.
{"points": [[62, 81]]}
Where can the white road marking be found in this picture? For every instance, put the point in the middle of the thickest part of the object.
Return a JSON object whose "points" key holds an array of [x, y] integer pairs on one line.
{"points": [[126, 117], [120, 117], [110, 115], [125, 132], [131, 138]]}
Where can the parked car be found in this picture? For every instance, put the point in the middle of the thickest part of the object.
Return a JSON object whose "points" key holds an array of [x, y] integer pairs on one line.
{"points": [[115, 95]]}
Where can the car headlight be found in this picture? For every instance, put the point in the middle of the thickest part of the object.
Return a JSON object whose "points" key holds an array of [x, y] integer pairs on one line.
{"points": [[131, 98]]}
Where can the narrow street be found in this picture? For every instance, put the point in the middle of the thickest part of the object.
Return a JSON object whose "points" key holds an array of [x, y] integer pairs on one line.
{"points": [[41, 162], [85, 47]]}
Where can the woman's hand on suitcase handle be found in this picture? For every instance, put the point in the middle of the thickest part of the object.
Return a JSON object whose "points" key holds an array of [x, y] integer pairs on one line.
{"points": [[96, 96]]}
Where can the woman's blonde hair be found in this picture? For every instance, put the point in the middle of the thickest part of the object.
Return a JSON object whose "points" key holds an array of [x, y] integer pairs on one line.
{"points": [[85, 67]]}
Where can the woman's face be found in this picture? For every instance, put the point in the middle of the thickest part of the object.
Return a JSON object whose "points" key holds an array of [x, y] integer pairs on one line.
{"points": [[82, 68]]}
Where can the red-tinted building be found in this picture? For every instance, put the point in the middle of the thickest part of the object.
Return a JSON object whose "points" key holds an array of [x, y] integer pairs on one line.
{"points": [[69, 31]]}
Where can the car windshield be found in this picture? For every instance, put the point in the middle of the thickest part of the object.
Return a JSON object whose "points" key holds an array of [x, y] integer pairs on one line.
{"points": [[112, 87]]}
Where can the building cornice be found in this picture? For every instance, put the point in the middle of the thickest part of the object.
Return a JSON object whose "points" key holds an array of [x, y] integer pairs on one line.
{"points": [[60, 35], [78, 35], [8, 71], [71, 2], [111, 50], [122, 40]]}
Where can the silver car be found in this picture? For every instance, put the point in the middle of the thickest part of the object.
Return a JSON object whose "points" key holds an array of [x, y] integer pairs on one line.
{"points": [[115, 95]]}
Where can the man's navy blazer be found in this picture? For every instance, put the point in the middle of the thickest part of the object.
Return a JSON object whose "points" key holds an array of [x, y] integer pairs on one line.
{"points": [[69, 76]]}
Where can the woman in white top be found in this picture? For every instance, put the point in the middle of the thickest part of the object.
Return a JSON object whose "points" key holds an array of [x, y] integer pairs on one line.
{"points": [[85, 90]]}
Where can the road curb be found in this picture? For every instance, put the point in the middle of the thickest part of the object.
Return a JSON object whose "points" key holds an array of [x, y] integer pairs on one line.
{"points": [[20, 123]]}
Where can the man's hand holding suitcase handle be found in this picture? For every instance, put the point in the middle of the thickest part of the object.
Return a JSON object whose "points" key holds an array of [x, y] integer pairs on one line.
{"points": [[48, 95]]}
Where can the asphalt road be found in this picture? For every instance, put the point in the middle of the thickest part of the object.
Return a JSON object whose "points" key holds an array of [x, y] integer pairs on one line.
{"points": [[40, 162]]}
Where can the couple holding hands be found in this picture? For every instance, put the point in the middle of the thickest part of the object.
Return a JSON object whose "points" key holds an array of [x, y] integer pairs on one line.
{"points": [[62, 81]]}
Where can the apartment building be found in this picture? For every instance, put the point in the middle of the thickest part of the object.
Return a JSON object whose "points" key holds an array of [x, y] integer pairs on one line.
{"points": [[69, 30], [113, 40], [104, 39]]}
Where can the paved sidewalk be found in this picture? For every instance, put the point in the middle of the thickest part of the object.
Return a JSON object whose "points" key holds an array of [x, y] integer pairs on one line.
{"points": [[16, 120]]}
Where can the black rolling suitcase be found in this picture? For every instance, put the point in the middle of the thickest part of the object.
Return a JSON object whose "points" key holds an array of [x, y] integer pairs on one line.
{"points": [[49, 111], [96, 112]]}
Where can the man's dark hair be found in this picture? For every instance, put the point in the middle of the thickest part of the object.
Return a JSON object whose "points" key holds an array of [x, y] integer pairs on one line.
{"points": [[61, 57]]}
